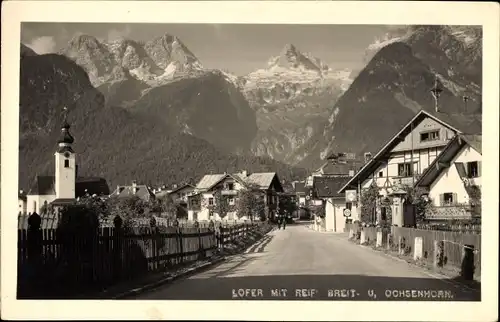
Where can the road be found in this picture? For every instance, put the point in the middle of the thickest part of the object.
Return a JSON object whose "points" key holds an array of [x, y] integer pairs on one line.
{"points": [[299, 264]]}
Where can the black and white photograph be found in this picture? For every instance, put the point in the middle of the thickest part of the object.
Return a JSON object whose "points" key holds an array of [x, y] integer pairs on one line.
{"points": [[336, 163]]}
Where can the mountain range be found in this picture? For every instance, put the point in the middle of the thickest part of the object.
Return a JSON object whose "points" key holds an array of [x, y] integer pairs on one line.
{"points": [[296, 110], [116, 143]]}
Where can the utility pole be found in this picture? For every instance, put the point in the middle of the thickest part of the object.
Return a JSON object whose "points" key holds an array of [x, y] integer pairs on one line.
{"points": [[436, 92], [465, 98]]}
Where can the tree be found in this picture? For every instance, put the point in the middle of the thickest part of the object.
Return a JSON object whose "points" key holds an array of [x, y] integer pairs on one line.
{"points": [[416, 196], [286, 205], [96, 205], [368, 200], [129, 208], [168, 207], [249, 202], [220, 205]]}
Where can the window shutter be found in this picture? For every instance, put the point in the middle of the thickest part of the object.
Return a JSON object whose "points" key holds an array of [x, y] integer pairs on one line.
{"points": [[479, 168], [455, 199], [441, 199]]}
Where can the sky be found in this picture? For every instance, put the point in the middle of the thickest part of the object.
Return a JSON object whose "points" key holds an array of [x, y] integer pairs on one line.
{"points": [[238, 48]]}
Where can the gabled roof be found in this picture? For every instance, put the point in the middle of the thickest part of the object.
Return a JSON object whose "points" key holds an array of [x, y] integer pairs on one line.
{"points": [[45, 185], [328, 187], [181, 188], [300, 188], [211, 180], [336, 168], [446, 156], [378, 159], [91, 185], [142, 191], [263, 179]]}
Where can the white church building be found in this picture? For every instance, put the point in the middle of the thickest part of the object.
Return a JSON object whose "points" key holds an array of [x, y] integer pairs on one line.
{"points": [[65, 186]]}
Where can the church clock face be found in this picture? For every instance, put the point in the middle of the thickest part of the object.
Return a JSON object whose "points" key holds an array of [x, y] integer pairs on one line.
{"points": [[67, 154]]}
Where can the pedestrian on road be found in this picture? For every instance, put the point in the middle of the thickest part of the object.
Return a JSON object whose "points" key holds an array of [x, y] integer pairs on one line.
{"points": [[278, 219], [284, 222]]}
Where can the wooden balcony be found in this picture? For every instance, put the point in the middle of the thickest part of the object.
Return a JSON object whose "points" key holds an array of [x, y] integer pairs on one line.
{"points": [[229, 192], [453, 212]]}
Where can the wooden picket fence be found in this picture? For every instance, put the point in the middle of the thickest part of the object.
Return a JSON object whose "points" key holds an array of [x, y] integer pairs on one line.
{"points": [[54, 264], [402, 239]]}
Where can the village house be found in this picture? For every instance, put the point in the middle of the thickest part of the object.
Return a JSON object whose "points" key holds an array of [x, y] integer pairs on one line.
{"points": [[336, 209], [65, 186], [139, 190], [337, 164], [22, 198], [202, 199], [180, 194], [453, 180], [324, 202], [300, 193], [399, 163]]}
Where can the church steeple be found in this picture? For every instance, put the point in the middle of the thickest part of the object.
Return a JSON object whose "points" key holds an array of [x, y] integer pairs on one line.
{"points": [[65, 139], [65, 162]]}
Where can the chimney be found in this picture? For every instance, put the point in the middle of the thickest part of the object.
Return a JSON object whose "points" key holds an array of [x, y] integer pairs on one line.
{"points": [[342, 158], [174, 186], [244, 173], [21, 192], [351, 173], [118, 189], [134, 187], [368, 156]]}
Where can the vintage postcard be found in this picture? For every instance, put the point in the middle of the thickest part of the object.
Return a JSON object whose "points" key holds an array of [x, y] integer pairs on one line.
{"points": [[242, 160]]}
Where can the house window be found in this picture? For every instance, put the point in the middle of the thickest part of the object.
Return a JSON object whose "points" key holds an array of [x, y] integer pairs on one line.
{"points": [[383, 213], [66, 163], [34, 206], [230, 201], [210, 201], [194, 202], [405, 170], [448, 198], [195, 216], [472, 169], [381, 174], [230, 186], [429, 136]]}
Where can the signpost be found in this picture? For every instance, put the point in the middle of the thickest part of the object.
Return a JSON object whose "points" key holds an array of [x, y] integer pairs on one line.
{"points": [[351, 195], [347, 213]]}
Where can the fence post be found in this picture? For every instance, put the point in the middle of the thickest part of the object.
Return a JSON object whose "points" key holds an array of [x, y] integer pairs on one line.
{"points": [[362, 238], [117, 247], [467, 267], [34, 247], [179, 240], [418, 248], [200, 245], [400, 244], [379, 239], [438, 253]]}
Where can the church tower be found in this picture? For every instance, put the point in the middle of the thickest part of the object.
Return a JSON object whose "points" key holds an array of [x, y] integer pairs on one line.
{"points": [[65, 164]]}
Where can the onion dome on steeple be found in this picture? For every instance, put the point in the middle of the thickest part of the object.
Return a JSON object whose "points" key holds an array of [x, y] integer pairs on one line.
{"points": [[65, 139]]}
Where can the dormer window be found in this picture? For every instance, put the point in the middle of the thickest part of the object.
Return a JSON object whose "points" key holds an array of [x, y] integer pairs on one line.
{"points": [[66, 163], [230, 186], [429, 136]]}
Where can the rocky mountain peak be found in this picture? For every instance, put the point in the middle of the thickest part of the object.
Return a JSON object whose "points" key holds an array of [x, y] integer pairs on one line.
{"points": [[167, 48], [27, 51], [291, 58]]}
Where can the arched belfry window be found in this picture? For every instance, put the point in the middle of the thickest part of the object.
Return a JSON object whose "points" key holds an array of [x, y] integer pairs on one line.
{"points": [[66, 163]]}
